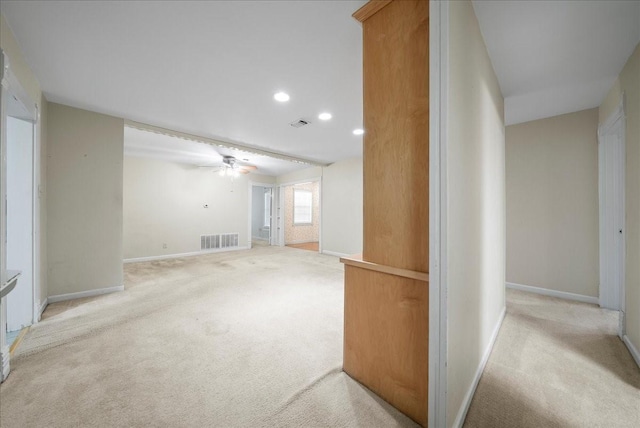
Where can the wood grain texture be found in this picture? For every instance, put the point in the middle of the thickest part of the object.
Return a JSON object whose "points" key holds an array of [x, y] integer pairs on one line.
{"points": [[357, 261], [386, 337], [369, 9], [396, 142]]}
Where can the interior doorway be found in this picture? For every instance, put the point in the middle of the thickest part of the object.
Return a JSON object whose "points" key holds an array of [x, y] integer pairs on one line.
{"points": [[301, 215], [261, 217], [611, 175]]}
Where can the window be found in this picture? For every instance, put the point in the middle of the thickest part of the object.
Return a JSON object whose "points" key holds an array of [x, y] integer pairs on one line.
{"points": [[267, 207], [302, 206]]}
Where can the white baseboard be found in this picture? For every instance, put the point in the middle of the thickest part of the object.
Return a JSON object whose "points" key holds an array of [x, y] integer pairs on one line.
{"points": [[632, 349], [462, 413], [177, 256], [304, 241], [88, 293], [335, 253], [554, 293]]}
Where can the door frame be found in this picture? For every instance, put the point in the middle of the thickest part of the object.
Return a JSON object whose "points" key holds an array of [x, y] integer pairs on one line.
{"points": [[616, 122], [11, 86], [253, 184]]}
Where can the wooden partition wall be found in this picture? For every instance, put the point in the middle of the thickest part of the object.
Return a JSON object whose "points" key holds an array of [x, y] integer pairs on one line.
{"points": [[386, 331]]}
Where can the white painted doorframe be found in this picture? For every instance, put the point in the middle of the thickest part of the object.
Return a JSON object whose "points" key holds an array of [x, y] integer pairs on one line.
{"points": [[253, 184], [611, 189], [10, 86], [438, 102]]}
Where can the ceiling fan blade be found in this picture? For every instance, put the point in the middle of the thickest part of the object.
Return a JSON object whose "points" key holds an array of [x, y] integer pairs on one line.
{"points": [[248, 167]]}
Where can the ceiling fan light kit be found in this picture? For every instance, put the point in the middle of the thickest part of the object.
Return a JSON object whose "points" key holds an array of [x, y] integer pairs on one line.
{"points": [[231, 168]]}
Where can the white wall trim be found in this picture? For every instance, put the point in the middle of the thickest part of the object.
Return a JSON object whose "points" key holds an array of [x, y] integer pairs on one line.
{"points": [[5, 359], [335, 253], [462, 413], [43, 306], [553, 293], [632, 349], [177, 256], [616, 115], [88, 293], [438, 105]]}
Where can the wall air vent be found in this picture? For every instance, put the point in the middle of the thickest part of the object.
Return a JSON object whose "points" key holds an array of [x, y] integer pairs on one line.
{"points": [[299, 123], [221, 241]]}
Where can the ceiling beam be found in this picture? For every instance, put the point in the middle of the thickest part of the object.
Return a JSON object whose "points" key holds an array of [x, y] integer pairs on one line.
{"points": [[222, 144]]}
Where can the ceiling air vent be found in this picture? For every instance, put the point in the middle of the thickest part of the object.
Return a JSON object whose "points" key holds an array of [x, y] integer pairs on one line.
{"points": [[299, 123]]}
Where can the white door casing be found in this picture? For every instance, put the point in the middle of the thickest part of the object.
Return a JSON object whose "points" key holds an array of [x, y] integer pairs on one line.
{"points": [[16, 102]]}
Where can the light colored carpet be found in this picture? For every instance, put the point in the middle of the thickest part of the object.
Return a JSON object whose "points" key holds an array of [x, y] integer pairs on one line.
{"points": [[240, 339], [557, 363]]}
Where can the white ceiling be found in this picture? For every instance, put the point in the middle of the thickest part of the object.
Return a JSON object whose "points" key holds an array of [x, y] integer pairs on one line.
{"points": [[211, 68], [205, 68], [556, 57]]}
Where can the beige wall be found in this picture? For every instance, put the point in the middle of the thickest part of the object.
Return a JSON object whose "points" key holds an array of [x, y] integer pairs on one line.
{"points": [[164, 204], [628, 82], [475, 205], [342, 207], [31, 85], [552, 203], [149, 223], [84, 200], [296, 234]]}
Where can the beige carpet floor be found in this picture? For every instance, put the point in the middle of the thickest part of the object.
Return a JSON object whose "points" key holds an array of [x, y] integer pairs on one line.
{"points": [[240, 339], [557, 363], [254, 339]]}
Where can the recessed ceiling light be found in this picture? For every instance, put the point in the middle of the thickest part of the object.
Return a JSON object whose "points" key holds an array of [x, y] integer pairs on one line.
{"points": [[283, 97], [324, 116], [358, 131]]}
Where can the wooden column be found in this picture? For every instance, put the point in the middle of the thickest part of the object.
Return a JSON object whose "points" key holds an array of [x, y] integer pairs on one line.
{"points": [[386, 289]]}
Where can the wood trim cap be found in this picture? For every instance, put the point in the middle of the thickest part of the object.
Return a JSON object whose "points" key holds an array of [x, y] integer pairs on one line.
{"points": [[369, 9], [406, 273]]}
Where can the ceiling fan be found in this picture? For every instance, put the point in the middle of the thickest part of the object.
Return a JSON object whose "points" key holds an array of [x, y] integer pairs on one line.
{"points": [[232, 168]]}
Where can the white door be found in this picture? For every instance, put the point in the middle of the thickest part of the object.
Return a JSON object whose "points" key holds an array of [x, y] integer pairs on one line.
{"points": [[20, 221], [611, 160]]}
